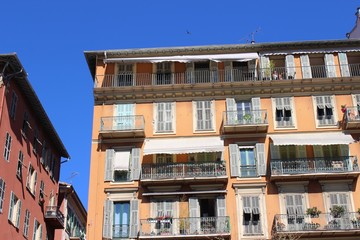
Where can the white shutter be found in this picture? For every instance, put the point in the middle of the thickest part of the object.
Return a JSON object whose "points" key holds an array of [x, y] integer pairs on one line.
{"points": [[108, 176], [228, 71], [261, 159], [330, 65], [265, 67], [221, 214], [108, 219], [135, 164], [234, 160], [290, 67], [190, 72], [214, 71], [344, 66], [194, 214], [252, 69], [256, 106], [305, 66], [231, 113], [134, 218], [18, 214], [11, 206]]}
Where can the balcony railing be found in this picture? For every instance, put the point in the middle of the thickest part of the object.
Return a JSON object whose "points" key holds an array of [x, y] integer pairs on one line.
{"points": [[183, 227], [284, 223], [122, 123], [342, 164], [247, 117], [352, 114], [129, 79], [54, 216], [121, 231], [183, 170]]}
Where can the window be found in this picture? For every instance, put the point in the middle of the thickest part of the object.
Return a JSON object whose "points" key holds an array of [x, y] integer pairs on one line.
{"points": [[247, 161], [163, 73], [251, 221], [203, 115], [122, 165], [164, 158], [20, 165], [283, 112], [124, 117], [14, 100], [31, 180], [7, 147], [52, 166], [42, 192], [125, 75], [26, 223], [164, 211], [164, 117], [14, 210], [205, 157], [325, 111], [2, 194], [295, 210], [73, 225], [43, 154], [244, 112], [26, 124], [35, 141], [37, 231], [339, 199], [121, 219]]}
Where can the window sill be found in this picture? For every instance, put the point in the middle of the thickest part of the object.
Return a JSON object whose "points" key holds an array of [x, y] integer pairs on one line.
{"points": [[205, 131], [286, 128], [165, 133]]}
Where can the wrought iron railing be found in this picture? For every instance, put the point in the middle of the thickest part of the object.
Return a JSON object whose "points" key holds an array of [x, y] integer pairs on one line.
{"points": [[246, 117], [185, 226], [352, 114], [53, 212], [121, 231], [129, 79], [321, 222], [182, 170], [314, 165], [122, 123]]}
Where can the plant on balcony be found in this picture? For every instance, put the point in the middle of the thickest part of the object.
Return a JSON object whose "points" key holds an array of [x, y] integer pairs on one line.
{"points": [[184, 226], [337, 211], [356, 222], [280, 226], [313, 212], [247, 117], [343, 108], [333, 224], [311, 226]]}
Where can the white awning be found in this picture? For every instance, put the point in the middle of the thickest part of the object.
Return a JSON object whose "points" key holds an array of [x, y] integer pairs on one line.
{"points": [[121, 160], [238, 57], [183, 145], [310, 51], [329, 138]]}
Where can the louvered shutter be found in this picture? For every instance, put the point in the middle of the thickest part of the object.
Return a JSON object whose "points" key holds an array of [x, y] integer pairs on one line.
{"points": [[265, 67], [305, 66], [40, 234], [256, 106], [261, 159], [2, 194], [134, 218], [34, 183], [247, 211], [287, 105], [299, 204], [135, 164], [18, 213], [330, 65], [231, 113], [290, 67], [214, 71], [290, 205], [279, 111], [194, 214], [329, 109], [344, 66], [11, 206], [160, 117], [109, 169], [190, 72], [221, 214], [108, 219], [252, 69], [169, 116], [234, 160], [228, 71]]}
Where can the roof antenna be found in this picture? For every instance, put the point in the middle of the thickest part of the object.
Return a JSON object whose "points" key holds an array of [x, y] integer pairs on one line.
{"points": [[253, 35]]}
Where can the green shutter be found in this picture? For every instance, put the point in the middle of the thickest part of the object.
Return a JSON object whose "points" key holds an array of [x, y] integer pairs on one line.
{"points": [[108, 176], [261, 159], [234, 160], [135, 164], [134, 217], [108, 219]]}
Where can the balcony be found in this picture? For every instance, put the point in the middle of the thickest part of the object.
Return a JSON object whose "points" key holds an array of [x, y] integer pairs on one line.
{"points": [[191, 228], [54, 217], [183, 171], [352, 117], [122, 126], [321, 225], [314, 167], [129, 79], [245, 121], [121, 231]]}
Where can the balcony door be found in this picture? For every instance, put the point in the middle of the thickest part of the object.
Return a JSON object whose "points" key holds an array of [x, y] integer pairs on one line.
{"points": [[125, 75], [121, 219], [124, 118], [295, 210]]}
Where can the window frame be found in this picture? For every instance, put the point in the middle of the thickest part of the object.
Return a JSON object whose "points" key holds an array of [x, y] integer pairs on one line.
{"points": [[163, 115], [31, 180], [20, 165], [210, 119], [26, 223], [2, 193], [7, 147], [14, 210], [324, 107], [285, 103], [13, 105]]}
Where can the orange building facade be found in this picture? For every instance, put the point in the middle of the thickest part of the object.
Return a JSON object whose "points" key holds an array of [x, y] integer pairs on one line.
{"points": [[31, 152], [252, 141]]}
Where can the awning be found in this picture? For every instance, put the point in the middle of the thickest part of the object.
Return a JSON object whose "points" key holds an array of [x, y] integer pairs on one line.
{"points": [[238, 57], [310, 51], [121, 160], [183, 145], [329, 138]]}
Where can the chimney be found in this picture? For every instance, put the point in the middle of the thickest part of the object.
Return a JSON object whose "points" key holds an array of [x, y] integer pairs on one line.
{"points": [[355, 32]]}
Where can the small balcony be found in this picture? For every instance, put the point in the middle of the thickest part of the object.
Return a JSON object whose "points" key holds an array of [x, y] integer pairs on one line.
{"points": [[352, 117], [120, 231], [314, 167], [245, 121], [122, 126], [183, 171], [324, 224], [200, 227], [54, 217]]}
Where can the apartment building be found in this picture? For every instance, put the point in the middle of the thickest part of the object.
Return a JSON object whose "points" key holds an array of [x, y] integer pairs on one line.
{"points": [[246, 141], [31, 155], [74, 214]]}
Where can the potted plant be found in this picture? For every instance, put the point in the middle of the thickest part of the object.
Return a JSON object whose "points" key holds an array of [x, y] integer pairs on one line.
{"points": [[247, 117], [343, 108], [313, 212], [337, 211]]}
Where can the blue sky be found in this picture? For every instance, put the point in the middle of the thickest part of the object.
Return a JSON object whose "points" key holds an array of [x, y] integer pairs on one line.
{"points": [[51, 36]]}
